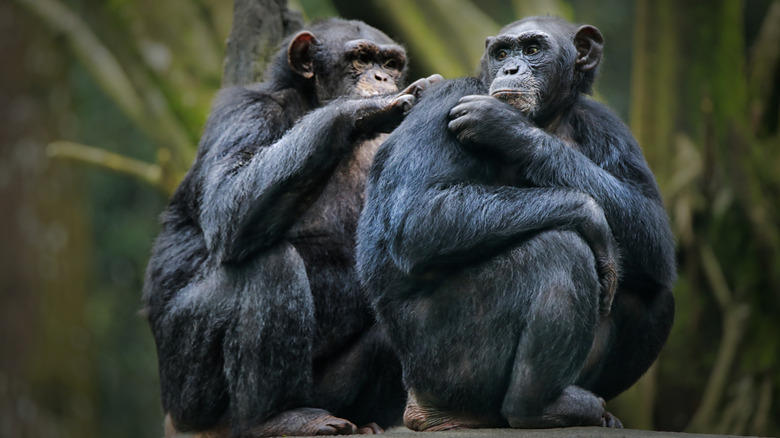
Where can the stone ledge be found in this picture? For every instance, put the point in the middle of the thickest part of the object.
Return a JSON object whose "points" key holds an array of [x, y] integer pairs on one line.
{"points": [[571, 432]]}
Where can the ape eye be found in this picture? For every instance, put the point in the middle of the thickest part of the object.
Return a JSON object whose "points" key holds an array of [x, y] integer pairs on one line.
{"points": [[531, 50], [362, 61], [391, 64], [501, 55]]}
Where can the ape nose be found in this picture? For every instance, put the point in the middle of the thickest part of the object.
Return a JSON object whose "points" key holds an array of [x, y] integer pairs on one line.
{"points": [[511, 69], [381, 77]]}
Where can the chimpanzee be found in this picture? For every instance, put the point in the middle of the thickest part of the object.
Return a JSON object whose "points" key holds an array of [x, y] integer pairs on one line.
{"points": [[260, 322], [487, 242]]}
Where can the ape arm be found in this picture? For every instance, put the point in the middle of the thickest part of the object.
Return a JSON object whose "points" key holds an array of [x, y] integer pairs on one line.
{"points": [[474, 221], [257, 182], [622, 185], [604, 161]]}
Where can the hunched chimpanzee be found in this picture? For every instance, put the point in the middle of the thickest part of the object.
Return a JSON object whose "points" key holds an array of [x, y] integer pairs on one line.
{"points": [[486, 242], [260, 323]]}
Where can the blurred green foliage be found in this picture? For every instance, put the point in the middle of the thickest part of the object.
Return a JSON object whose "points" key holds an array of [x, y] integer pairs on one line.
{"points": [[698, 84]]}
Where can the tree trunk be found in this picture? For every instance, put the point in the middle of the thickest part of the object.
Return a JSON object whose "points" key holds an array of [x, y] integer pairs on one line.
{"points": [[258, 28]]}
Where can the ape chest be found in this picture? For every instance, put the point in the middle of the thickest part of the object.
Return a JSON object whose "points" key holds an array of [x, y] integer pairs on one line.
{"points": [[336, 210]]}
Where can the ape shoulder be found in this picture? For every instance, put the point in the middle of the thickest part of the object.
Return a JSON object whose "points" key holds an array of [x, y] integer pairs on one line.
{"points": [[606, 139], [250, 116], [443, 96], [425, 127]]}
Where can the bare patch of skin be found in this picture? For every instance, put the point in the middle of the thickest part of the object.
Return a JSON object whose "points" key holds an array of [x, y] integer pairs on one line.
{"points": [[422, 418]]}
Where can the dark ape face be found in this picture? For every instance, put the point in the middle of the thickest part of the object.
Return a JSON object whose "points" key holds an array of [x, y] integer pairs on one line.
{"points": [[351, 59], [541, 65]]}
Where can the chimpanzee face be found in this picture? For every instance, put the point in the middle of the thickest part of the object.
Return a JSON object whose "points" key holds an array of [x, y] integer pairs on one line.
{"points": [[540, 67], [352, 60], [376, 69]]}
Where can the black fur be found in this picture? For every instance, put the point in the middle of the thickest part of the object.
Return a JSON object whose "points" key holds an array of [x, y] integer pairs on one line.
{"points": [[481, 240], [251, 292]]}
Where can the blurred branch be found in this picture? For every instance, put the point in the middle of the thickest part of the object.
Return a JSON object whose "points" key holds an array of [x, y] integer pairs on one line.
{"points": [[735, 318], [735, 416], [764, 61], [747, 157], [146, 172], [714, 273], [764, 406], [153, 116]]}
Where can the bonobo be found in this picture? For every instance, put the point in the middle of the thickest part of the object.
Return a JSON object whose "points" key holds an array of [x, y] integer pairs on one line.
{"points": [[261, 326], [488, 242]]}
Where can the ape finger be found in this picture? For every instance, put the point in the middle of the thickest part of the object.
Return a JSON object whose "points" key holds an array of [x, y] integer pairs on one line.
{"points": [[403, 102], [612, 421], [418, 87], [476, 98], [608, 279], [391, 115], [340, 427], [462, 109]]}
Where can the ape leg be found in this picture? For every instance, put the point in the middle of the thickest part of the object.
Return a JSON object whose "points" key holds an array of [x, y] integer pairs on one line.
{"points": [[362, 383], [642, 323], [502, 343], [242, 340], [559, 330]]}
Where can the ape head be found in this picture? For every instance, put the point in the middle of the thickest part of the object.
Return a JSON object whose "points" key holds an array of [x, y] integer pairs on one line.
{"points": [[341, 58], [541, 65]]}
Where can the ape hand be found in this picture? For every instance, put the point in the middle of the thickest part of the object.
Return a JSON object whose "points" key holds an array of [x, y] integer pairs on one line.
{"points": [[595, 229], [378, 114], [383, 114], [419, 86], [485, 122]]}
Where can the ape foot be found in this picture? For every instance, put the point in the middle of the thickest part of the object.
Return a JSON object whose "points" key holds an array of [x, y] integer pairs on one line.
{"points": [[423, 418], [371, 429], [306, 422], [612, 421], [575, 407]]}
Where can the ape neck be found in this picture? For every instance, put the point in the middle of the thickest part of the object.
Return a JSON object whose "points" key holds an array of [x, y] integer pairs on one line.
{"points": [[560, 126]]}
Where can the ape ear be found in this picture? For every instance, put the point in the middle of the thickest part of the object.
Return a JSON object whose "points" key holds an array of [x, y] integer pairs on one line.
{"points": [[589, 43], [300, 54], [488, 40]]}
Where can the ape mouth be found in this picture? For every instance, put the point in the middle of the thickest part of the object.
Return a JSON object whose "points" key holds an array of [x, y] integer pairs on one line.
{"points": [[363, 92], [524, 100], [509, 92], [371, 91]]}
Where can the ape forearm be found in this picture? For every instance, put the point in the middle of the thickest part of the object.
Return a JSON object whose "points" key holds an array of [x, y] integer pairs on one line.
{"points": [[630, 201], [249, 205], [474, 221]]}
